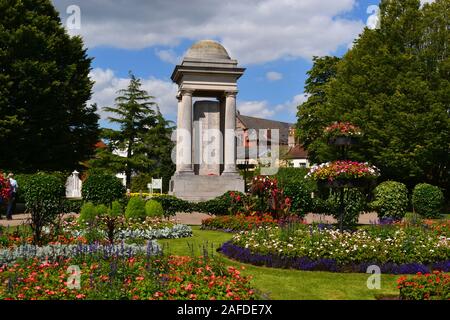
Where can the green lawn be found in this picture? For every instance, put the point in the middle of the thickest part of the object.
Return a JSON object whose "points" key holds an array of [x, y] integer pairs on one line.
{"points": [[287, 284]]}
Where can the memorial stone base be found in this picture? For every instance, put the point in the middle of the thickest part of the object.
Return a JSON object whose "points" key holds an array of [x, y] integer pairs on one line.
{"points": [[200, 188]]}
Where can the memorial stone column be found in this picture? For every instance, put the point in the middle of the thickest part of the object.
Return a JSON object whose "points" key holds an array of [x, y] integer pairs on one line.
{"points": [[184, 133], [230, 128]]}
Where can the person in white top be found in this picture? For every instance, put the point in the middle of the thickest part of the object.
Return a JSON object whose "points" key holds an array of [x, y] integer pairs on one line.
{"points": [[12, 199]]}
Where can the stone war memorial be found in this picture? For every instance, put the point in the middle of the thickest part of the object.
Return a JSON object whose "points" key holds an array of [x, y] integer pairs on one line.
{"points": [[205, 137]]}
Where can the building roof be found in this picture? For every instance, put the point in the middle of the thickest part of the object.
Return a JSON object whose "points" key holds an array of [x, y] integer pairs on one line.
{"points": [[296, 152], [258, 123], [207, 50]]}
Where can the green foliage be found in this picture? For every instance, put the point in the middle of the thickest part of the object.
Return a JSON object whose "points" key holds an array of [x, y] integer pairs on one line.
{"points": [[140, 181], [102, 189], [88, 213], [391, 200], [412, 219], [154, 209], [43, 196], [143, 133], [354, 203], [135, 209], [231, 202], [102, 210], [298, 189], [44, 87], [116, 209], [394, 85], [171, 205], [72, 205], [427, 200]]}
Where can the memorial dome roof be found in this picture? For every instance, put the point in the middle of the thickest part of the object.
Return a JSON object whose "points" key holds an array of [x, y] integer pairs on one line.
{"points": [[208, 50]]}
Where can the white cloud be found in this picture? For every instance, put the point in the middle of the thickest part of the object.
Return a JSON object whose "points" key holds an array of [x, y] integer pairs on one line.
{"points": [[253, 31], [107, 84], [290, 106], [168, 56], [262, 109], [259, 109], [273, 76]]}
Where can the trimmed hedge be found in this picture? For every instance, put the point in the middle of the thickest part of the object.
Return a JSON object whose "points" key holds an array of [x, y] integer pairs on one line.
{"points": [[222, 205], [171, 205], [391, 200], [102, 189], [427, 200]]}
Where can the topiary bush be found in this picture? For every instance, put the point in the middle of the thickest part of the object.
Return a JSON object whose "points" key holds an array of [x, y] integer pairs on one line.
{"points": [[43, 196], [135, 209], [298, 189], [427, 200], [102, 189], [154, 209], [390, 200], [88, 213]]}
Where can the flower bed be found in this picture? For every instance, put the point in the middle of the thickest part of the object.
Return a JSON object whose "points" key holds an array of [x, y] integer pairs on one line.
{"points": [[342, 169], [428, 286], [240, 222], [148, 229], [395, 250], [160, 278], [54, 252]]}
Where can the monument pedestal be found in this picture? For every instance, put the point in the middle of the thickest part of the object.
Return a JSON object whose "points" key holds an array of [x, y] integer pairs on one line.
{"points": [[200, 188]]}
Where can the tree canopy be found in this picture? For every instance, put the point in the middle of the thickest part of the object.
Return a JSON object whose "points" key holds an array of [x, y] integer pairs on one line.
{"points": [[45, 123], [142, 143], [394, 84]]}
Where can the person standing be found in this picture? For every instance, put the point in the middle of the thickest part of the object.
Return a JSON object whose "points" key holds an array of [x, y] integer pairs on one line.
{"points": [[12, 199]]}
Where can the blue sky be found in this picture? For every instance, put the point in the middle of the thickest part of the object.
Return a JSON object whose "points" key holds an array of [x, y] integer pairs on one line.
{"points": [[274, 39]]}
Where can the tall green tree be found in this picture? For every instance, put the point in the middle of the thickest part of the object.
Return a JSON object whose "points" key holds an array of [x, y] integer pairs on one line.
{"points": [[311, 118], [142, 144], [45, 123], [394, 84]]}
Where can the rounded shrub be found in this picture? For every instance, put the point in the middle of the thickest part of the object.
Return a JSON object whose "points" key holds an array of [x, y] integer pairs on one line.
{"points": [[88, 213], [427, 200], [135, 209], [44, 192], [116, 209], [102, 189], [154, 209], [102, 210], [390, 200]]}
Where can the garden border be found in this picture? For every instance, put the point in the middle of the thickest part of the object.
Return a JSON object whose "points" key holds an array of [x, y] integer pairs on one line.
{"points": [[244, 255]]}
